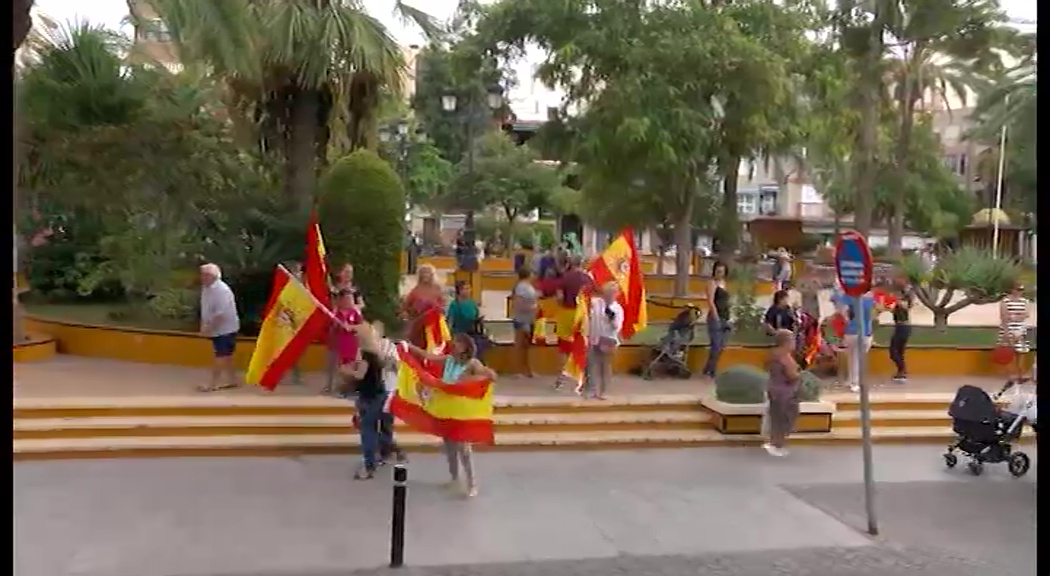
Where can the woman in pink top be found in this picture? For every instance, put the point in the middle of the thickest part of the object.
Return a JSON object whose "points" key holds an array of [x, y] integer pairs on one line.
{"points": [[344, 343]]}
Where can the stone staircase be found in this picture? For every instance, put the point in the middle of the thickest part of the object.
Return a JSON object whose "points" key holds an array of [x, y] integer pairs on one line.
{"points": [[276, 426]]}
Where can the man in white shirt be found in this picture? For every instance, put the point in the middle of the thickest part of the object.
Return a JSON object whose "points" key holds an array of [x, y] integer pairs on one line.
{"points": [[219, 321], [603, 336]]}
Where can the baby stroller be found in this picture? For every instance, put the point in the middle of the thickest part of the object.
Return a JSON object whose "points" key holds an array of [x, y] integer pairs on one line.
{"points": [[985, 432], [671, 354]]}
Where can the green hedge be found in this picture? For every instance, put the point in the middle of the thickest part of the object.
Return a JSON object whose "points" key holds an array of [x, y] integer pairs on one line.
{"points": [[747, 385], [361, 210]]}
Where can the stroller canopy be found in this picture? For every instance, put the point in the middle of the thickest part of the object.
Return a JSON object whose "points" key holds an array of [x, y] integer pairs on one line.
{"points": [[972, 404]]}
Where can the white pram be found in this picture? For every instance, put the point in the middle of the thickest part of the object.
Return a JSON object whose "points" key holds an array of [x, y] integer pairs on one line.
{"points": [[1021, 400]]}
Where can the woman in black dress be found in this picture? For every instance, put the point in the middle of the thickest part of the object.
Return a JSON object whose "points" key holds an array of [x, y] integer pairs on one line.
{"points": [[718, 310]]}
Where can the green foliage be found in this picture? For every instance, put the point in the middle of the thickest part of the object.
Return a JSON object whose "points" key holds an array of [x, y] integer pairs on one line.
{"points": [[745, 313], [523, 233], [974, 274], [502, 174], [809, 387], [361, 209], [741, 385]]}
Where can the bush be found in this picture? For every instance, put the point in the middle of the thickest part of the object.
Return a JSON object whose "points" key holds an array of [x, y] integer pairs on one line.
{"points": [[741, 385], [362, 210], [809, 384]]}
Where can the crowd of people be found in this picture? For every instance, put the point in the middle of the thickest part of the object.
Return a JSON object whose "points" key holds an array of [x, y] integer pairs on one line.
{"points": [[362, 362]]}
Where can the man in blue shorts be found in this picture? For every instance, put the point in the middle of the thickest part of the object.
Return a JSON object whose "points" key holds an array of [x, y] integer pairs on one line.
{"points": [[219, 321]]}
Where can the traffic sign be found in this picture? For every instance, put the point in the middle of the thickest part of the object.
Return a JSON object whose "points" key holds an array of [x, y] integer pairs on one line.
{"points": [[853, 263]]}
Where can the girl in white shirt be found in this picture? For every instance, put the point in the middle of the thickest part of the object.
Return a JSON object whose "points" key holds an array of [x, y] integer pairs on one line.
{"points": [[603, 335]]}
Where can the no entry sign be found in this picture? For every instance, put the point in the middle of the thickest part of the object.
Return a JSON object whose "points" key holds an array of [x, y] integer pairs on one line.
{"points": [[853, 263]]}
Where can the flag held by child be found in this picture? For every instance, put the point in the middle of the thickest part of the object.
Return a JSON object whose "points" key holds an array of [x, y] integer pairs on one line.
{"points": [[457, 411]]}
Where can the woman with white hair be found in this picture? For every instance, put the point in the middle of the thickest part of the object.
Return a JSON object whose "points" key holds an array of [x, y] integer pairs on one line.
{"points": [[220, 322]]}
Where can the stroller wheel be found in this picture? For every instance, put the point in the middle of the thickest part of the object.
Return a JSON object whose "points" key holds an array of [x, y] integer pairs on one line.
{"points": [[1018, 464], [950, 460], [976, 468]]}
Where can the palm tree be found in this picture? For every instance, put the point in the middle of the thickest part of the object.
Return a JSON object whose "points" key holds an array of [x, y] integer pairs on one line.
{"points": [[944, 45], [307, 73], [21, 22]]}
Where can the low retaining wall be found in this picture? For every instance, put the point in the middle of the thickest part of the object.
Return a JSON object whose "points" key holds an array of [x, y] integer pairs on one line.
{"points": [[36, 349], [185, 349]]}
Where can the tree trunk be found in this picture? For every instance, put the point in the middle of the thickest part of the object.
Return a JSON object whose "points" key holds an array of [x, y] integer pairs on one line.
{"points": [[683, 236], [870, 87], [940, 318], [300, 175], [660, 259], [729, 221], [906, 105]]}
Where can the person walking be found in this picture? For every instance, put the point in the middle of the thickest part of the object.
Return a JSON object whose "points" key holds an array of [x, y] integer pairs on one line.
{"points": [[857, 338], [603, 334], [782, 392], [901, 327], [782, 270], [1013, 327], [374, 424], [221, 323], [388, 356], [718, 310], [458, 365], [524, 309]]}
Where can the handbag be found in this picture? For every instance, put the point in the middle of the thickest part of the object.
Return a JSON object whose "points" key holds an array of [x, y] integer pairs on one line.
{"points": [[1003, 354]]}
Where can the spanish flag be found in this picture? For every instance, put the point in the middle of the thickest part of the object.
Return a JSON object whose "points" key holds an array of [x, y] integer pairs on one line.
{"points": [[436, 330], [539, 328], [620, 263], [293, 319], [315, 270], [457, 411]]}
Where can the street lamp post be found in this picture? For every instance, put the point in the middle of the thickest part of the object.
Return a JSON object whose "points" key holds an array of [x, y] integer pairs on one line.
{"points": [[397, 134], [470, 112]]}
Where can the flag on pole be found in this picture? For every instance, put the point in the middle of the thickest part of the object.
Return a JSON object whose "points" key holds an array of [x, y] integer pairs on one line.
{"points": [[315, 270], [457, 411], [293, 319], [618, 263], [539, 327]]}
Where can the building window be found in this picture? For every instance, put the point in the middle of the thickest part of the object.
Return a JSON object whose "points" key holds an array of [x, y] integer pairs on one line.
{"points": [[746, 203], [956, 163], [768, 200], [154, 30]]}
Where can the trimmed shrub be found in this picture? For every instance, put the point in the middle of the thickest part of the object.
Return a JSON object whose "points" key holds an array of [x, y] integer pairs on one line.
{"points": [[809, 385], [741, 385], [362, 210]]}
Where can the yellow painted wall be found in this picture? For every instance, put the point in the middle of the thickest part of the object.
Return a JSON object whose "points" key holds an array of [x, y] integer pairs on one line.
{"points": [[182, 349]]}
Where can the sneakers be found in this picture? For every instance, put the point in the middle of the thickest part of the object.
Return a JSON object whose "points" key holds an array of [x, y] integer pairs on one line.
{"points": [[901, 378], [774, 451]]}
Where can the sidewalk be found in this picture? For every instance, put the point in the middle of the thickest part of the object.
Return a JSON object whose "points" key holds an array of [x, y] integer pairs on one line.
{"points": [[736, 511], [70, 376]]}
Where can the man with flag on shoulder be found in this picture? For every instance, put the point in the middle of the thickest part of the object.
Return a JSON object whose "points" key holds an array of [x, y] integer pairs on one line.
{"points": [[568, 288]]}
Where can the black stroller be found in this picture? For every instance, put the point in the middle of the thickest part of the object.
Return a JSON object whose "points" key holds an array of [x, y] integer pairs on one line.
{"points": [[986, 432], [671, 354]]}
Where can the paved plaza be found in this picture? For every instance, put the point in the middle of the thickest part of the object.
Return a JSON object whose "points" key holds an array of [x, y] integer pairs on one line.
{"points": [[713, 511]]}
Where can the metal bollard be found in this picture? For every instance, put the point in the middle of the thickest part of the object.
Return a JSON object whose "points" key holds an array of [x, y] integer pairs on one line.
{"points": [[397, 524]]}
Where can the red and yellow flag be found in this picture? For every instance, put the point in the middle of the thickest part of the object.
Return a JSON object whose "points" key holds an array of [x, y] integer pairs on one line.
{"points": [[539, 328], [293, 319], [618, 263], [436, 330], [457, 411], [315, 270]]}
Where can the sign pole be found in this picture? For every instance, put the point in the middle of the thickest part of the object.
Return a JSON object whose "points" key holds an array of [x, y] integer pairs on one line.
{"points": [[865, 415], [854, 268]]}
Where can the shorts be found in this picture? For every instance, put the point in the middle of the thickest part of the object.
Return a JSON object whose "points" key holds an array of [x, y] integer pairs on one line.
{"points": [[224, 345], [522, 326]]}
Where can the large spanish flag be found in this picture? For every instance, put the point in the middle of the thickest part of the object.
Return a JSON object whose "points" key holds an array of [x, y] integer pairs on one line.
{"points": [[315, 270], [293, 319], [457, 411], [620, 263]]}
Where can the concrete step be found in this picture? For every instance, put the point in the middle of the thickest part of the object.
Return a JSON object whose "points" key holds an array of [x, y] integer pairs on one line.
{"points": [[297, 444], [308, 424], [880, 401], [894, 418], [264, 405]]}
